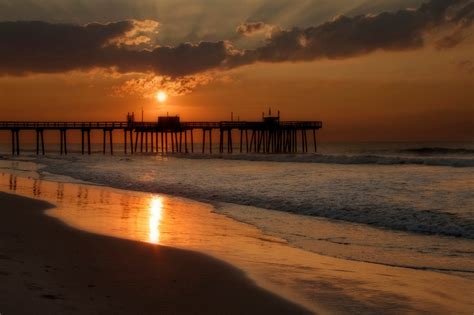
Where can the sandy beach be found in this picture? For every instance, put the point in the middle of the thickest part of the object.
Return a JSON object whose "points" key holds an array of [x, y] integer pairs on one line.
{"points": [[99, 243], [49, 268]]}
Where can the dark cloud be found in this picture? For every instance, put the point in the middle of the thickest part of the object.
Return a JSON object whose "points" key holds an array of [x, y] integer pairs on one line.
{"points": [[352, 36], [31, 47], [463, 19], [44, 47]]}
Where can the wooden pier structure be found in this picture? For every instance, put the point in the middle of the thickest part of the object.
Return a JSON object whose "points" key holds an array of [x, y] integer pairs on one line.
{"points": [[169, 134]]}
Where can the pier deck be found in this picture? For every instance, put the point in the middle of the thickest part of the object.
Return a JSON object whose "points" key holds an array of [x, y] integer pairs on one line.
{"points": [[254, 136]]}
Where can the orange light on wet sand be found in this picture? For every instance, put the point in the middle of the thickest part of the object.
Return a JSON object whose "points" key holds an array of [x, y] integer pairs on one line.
{"points": [[156, 209], [161, 96]]}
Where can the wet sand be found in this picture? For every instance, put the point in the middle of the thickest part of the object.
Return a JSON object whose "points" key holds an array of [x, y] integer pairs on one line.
{"points": [[320, 283], [49, 268]]}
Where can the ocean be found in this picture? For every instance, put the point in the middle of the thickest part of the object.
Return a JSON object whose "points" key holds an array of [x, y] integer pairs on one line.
{"points": [[399, 204]]}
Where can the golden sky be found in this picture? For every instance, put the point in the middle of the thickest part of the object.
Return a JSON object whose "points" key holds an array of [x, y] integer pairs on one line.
{"points": [[413, 81]]}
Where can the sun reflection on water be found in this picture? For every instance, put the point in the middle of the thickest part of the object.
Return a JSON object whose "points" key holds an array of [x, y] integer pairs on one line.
{"points": [[156, 209]]}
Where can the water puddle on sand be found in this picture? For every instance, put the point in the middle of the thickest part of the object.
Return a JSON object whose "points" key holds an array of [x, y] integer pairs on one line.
{"points": [[321, 283]]}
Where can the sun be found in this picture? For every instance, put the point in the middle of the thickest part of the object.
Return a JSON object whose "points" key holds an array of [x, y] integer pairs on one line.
{"points": [[161, 96]]}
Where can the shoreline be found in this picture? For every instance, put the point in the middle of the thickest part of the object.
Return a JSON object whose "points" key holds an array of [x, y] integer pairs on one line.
{"points": [[60, 269], [322, 284]]}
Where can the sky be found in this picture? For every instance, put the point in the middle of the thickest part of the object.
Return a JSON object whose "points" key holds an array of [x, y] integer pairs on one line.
{"points": [[393, 70]]}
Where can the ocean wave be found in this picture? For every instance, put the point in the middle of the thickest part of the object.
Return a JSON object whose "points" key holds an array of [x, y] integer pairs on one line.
{"points": [[438, 151], [341, 159], [382, 197], [377, 201]]}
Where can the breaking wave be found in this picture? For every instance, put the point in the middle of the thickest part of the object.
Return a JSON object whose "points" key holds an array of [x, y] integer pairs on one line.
{"points": [[344, 159], [393, 201], [438, 151]]}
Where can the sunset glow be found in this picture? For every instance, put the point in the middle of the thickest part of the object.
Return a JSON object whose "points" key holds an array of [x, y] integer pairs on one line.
{"points": [[161, 96]]}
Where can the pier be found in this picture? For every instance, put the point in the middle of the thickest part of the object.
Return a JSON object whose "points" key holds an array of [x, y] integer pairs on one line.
{"points": [[169, 134]]}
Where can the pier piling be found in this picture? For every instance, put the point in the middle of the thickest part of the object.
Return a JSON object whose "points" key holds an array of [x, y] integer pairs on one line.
{"points": [[270, 136]]}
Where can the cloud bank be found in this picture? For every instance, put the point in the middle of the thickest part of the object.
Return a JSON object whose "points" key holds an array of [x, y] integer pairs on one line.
{"points": [[129, 46], [40, 47]]}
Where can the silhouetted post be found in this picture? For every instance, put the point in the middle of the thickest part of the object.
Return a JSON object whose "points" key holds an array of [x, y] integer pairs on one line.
{"points": [[277, 141], [253, 141], [306, 139], [82, 141], [241, 139], [274, 138], [290, 141], [131, 141], [162, 143], [186, 141], [259, 135], [146, 141], [280, 141], [290, 138], [136, 140], [221, 140], [192, 141], [264, 140], [125, 141], [230, 145], [37, 142], [65, 142], [210, 140], [172, 141], [269, 141], [180, 141], [296, 140], [247, 140], [13, 142], [89, 142], [203, 139], [314, 140], [282, 144], [302, 142], [42, 142], [166, 141], [111, 142], [61, 142], [141, 141], [18, 142], [104, 140], [176, 140], [152, 141]]}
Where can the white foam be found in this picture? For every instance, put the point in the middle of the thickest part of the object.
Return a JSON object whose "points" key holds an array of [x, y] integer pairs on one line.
{"points": [[422, 199]]}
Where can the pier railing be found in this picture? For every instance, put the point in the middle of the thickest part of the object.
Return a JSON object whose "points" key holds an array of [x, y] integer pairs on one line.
{"points": [[125, 125], [270, 136], [56, 125]]}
